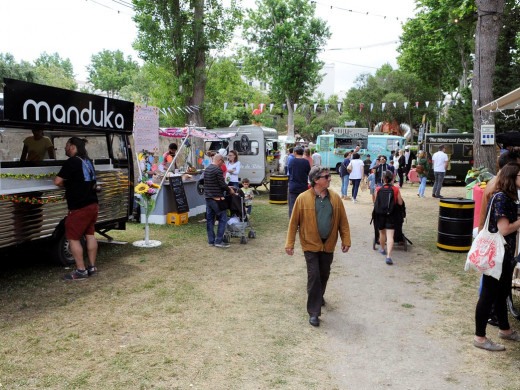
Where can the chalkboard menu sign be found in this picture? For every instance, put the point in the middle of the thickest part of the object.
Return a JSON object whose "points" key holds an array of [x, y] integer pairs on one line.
{"points": [[179, 195]]}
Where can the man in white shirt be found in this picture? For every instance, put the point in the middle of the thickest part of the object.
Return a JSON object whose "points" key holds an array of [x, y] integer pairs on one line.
{"points": [[316, 159], [440, 164]]}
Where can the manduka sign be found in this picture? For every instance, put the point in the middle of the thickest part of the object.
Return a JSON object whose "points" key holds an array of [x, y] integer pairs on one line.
{"points": [[39, 104]]}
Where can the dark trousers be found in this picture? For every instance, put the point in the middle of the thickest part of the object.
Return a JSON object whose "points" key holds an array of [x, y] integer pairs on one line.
{"points": [[400, 173], [494, 292], [355, 187], [318, 271], [292, 199]]}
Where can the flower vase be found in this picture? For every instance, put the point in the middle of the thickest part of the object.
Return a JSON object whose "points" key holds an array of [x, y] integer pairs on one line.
{"points": [[147, 243], [146, 231]]}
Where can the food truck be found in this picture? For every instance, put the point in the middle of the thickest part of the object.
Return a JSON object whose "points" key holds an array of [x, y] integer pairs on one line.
{"points": [[257, 149], [459, 148], [31, 206], [333, 145]]}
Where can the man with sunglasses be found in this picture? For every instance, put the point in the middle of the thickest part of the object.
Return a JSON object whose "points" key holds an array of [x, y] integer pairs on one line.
{"points": [[319, 216]]}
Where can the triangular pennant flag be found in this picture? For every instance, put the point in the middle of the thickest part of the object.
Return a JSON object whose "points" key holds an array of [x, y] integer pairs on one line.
{"points": [[271, 107], [252, 106], [360, 107], [427, 104], [416, 104], [170, 111], [371, 106], [246, 105], [475, 102], [315, 105], [262, 106], [326, 108], [295, 106], [180, 109], [383, 106], [405, 105], [163, 111], [439, 103], [463, 101], [452, 103], [283, 107], [395, 104], [225, 106], [303, 107], [339, 107]]}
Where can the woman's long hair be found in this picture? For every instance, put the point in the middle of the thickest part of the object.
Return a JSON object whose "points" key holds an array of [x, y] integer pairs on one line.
{"points": [[506, 180], [235, 159], [79, 143]]}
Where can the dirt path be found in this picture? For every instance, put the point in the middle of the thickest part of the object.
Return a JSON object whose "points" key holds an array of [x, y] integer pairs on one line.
{"points": [[378, 317]]}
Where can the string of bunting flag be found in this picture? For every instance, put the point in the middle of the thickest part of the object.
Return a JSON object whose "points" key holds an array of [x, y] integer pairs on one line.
{"points": [[340, 107]]}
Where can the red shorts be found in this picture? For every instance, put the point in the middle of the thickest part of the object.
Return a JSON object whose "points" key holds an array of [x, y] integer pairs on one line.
{"points": [[81, 222]]}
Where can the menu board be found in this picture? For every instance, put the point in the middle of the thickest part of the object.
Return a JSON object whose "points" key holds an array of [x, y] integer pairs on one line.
{"points": [[146, 128], [179, 195]]}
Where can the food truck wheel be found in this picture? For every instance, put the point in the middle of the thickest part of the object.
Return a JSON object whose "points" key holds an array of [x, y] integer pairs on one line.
{"points": [[61, 251]]}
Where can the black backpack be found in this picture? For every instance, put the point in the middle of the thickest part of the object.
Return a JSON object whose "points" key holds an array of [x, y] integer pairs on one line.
{"points": [[385, 201]]}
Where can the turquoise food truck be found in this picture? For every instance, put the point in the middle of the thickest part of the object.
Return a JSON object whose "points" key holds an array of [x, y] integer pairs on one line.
{"points": [[333, 145]]}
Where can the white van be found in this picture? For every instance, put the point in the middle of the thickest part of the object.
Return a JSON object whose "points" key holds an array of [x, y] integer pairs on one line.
{"points": [[257, 149]]}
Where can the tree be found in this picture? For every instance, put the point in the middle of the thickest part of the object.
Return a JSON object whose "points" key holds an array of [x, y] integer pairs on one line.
{"points": [[487, 32], [507, 73], [225, 85], [109, 71], [437, 43], [284, 39], [178, 35], [21, 71], [54, 71]]}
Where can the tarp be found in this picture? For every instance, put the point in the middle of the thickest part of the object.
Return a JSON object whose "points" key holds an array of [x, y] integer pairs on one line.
{"points": [[178, 132], [506, 102]]}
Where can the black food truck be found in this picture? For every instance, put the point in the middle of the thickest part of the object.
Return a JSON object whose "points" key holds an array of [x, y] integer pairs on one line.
{"points": [[459, 148], [31, 206]]}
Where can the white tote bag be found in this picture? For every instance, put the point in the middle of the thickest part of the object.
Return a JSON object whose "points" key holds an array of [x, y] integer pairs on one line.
{"points": [[487, 251]]}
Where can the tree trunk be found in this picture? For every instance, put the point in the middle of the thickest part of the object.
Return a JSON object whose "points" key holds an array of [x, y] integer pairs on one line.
{"points": [[290, 117], [199, 83], [489, 25]]}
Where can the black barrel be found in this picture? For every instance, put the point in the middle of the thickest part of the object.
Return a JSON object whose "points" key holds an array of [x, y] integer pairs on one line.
{"points": [[455, 232], [279, 189]]}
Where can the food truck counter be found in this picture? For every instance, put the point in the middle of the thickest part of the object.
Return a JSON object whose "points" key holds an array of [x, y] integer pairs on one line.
{"points": [[170, 199]]}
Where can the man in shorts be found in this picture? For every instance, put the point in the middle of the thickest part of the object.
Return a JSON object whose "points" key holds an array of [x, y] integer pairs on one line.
{"points": [[78, 177]]}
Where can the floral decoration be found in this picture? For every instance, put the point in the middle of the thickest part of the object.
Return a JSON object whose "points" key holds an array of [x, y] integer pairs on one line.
{"points": [[32, 200], [147, 189], [27, 176]]}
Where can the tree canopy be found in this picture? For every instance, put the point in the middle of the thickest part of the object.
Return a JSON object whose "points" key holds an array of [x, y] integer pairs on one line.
{"points": [[284, 39], [109, 71], [178, 35]]}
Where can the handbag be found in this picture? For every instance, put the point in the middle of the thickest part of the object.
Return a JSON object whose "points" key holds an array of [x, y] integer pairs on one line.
{"points": [[419, 168], [487, 251], [349, 167]]}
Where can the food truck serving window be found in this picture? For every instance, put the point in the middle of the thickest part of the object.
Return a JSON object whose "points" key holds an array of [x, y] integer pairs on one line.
{"points": [[351, 143], [434, 148], [246, 147]]}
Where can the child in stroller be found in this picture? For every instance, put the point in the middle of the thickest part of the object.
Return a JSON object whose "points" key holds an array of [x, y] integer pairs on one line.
{"points": [[238, 222]]}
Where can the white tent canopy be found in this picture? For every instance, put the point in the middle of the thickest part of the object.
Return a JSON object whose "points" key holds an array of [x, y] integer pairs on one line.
{"points": [[506, 102]]}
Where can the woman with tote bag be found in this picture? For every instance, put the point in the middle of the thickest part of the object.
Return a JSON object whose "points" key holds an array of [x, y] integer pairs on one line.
{"points": [[504, 219]]}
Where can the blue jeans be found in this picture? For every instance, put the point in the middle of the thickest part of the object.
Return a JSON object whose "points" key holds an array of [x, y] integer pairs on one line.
{"points": [[212, 211], [344, 185], [422, 186], [439, 178], [355, 187]]}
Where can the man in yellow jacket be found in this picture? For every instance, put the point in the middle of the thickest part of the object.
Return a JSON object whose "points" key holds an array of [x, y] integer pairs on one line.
{"points": [[318, 215]]}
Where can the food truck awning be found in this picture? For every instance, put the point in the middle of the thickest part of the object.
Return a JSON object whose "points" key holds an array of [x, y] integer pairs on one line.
{"points": [[181, 132], [506, 102]]}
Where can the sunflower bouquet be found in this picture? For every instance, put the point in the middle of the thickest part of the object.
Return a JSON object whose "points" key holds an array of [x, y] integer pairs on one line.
{"points": [[147, 190]]}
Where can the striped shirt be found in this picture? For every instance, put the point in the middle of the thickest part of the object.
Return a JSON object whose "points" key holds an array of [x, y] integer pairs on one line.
{"points": [[214, 183]]}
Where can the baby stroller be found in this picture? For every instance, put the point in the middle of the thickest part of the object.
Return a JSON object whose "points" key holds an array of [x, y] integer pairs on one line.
{"points": [[238, 222], [399, 238]]}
